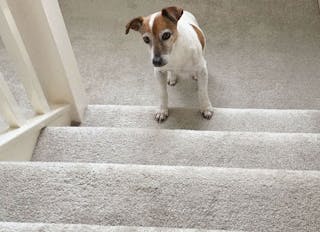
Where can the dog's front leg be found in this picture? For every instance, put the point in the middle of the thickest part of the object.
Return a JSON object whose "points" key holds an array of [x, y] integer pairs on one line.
{"points": [[172, 78], [205, 104], [163, 113]]}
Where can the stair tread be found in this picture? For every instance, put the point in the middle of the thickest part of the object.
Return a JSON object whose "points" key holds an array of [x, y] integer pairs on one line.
{"points": [[258, 55], [46, 227], [145, 195], [179, 147], [224, 119]]}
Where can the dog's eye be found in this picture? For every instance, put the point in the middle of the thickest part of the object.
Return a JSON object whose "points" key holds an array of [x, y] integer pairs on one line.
{"points": [[166, 35], [146, 39]]}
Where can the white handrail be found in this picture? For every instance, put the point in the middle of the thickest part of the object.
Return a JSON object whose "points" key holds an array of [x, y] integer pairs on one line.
{"points": [[13, 42], [46, 39], [18, 144], [9, 107], [35, 35]]}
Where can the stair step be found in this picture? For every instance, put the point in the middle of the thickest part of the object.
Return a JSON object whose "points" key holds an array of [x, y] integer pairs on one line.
{"points": [[160, 196], [307, 121], [179, 147], [43, 227], [258, 54]]}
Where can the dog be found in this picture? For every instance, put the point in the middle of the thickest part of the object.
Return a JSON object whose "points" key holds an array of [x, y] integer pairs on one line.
{"points": [[176, 44]]}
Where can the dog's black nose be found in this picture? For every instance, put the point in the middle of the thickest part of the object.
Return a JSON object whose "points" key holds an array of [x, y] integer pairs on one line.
{"points": [[157, 61]]}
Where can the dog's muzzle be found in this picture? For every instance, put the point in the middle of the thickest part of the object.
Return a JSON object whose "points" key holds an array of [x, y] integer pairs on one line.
{"points": [[158, 61]]}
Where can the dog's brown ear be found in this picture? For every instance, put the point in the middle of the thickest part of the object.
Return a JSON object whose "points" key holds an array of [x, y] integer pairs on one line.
{"points": [[173, 13], [134, 24]]}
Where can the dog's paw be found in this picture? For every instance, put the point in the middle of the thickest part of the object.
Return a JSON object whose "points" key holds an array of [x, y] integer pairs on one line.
{"points": [[172, 82], [172, 79], [161, 116], [207, 113]]}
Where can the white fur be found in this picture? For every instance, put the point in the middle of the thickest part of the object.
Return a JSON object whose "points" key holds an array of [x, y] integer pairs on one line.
{"points": [[185, 60], [152, 17]]}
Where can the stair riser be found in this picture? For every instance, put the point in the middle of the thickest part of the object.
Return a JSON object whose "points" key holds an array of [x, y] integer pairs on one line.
{"points": [[167, 147]]}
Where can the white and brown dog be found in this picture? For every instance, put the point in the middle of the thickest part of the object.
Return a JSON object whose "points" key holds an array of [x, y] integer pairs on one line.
{"points": [[177, 49]]}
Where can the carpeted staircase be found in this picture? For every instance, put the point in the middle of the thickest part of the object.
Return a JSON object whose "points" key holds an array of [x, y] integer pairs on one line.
{"points": [[254, 167]]}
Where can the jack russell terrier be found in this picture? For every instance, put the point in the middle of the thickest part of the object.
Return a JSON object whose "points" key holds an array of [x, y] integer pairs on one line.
{"points": [[176, 44]]}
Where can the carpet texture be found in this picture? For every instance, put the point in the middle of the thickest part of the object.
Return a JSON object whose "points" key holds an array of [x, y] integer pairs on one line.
{"points": [[42, 227], [223, 119], [260, 53], [178, 147], [160, 196], [9, 73], [3, 125]]}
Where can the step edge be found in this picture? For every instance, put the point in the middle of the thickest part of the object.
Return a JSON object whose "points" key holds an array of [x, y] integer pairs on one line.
{"points": [[215, 108], [41, 164], [54, 225], [233, 132]]}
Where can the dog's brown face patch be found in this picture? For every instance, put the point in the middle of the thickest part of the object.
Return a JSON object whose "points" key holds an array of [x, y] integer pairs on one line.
{"points": [[164, 33], [159, 31], [145, 26]]}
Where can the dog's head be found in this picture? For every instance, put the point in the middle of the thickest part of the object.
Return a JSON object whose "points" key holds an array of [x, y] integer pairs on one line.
{"points": [[159, 31]]}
